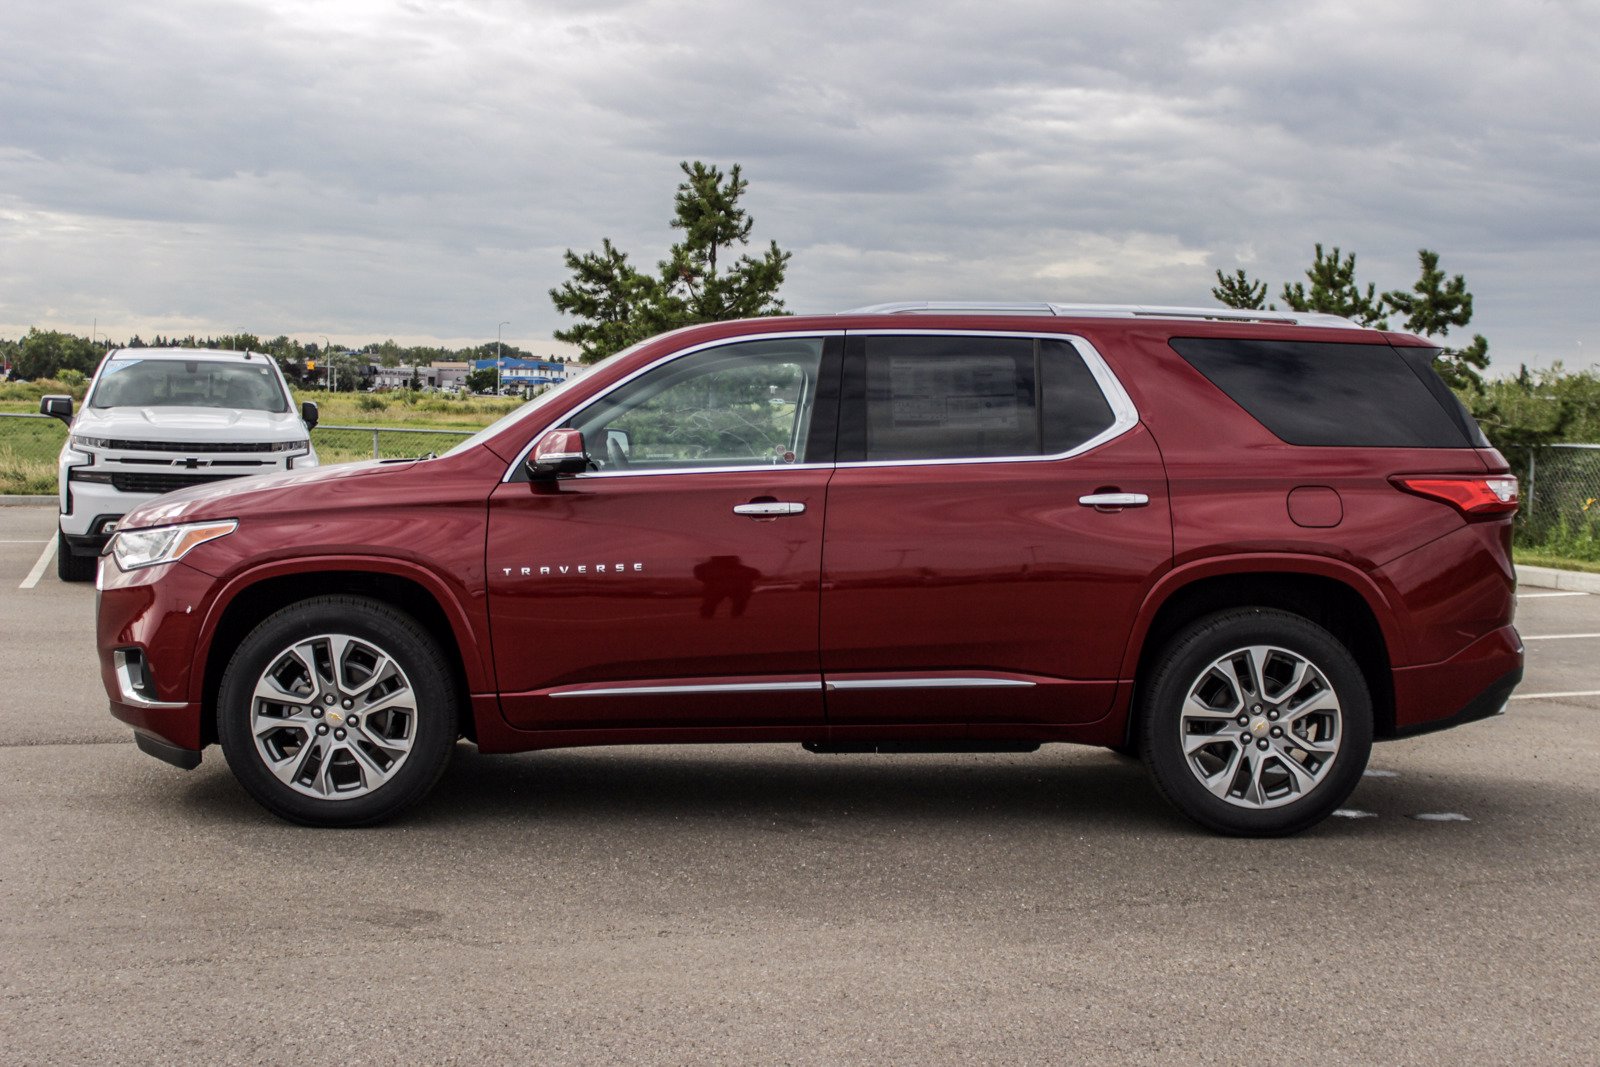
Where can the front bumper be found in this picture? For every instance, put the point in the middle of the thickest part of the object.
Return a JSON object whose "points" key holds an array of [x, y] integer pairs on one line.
{"points": [[92, 504], [151, 617]]}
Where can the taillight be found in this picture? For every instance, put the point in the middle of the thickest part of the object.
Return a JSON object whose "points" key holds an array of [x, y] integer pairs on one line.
{"points": [[1496, 495]]}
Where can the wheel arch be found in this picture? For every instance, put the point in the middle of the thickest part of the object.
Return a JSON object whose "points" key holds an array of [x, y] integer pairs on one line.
{"points": [[1334, 601], [251, 597]]}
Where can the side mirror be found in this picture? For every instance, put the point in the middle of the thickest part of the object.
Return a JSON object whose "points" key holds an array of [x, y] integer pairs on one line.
{"points": [[558, 452], [308, 414], [57, 407]]}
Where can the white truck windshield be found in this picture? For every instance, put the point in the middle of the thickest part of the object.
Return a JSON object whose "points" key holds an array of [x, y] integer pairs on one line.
{"points": [[188, 383]]}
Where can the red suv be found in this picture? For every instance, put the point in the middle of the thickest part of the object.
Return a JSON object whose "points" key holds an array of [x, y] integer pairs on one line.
{"points": [[1240, 545]]}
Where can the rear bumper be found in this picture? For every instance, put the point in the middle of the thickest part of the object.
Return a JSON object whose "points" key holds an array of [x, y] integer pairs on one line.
{"points": [[1471, 685]]}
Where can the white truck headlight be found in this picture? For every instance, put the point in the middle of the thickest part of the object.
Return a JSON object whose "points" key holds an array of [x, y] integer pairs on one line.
{"points": [[165, 544]]}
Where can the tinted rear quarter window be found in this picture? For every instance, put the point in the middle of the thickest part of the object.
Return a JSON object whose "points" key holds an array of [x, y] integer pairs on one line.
{"points": [[1312, 393]]}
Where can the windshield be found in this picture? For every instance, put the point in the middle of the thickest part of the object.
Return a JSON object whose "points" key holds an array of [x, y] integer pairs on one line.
{"points": [[188, 383]]}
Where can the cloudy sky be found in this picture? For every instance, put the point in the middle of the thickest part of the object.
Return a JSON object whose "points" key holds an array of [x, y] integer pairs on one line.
{"points": [[368, 169]]}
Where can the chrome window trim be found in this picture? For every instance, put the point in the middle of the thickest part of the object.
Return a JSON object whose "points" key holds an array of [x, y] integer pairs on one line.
{"points": [[784, 335], [1124, 415], [670, 690]]}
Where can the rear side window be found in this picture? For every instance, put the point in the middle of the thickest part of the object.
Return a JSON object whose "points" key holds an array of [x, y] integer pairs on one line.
{"points": [[1309, 393], [955, 397]]}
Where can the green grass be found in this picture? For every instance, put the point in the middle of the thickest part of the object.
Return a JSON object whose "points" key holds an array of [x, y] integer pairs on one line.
{"points": [[409, 410], [415, 410], [28, 449], [1532, 558]]}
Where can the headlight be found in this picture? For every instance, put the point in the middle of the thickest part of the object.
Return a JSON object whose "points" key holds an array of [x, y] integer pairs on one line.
{"points": [[292, 446], [80, 441], [165, 544]]}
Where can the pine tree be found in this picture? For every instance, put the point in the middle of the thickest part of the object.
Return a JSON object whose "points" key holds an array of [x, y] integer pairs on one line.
{"points": [[617, 304], [1433, 306], [1240, 291], [1334, 291]]}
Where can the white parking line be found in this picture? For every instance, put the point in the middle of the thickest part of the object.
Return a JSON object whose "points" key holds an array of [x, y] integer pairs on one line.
{"points": [[38, 568], [1553, 696], [1535, 596], [1556, 637]]}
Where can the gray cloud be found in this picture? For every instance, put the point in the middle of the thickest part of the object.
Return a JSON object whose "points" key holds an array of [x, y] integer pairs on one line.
{"points": [[371, 169]]}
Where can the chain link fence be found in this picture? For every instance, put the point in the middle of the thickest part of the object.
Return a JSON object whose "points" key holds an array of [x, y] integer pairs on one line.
{"points": [[29, 445], [341, 444], [28, 448], [1561, 499]]}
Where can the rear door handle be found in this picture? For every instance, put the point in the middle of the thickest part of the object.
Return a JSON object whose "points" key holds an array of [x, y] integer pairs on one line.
{"points": [[769, 509], [1114, 500]]}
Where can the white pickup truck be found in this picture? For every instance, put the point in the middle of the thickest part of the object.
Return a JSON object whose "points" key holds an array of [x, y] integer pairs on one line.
{"points": [[160, 419]]}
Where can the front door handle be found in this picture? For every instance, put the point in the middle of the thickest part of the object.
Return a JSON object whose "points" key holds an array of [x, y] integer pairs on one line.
{"points": [[769, 509], [1114, 500]]}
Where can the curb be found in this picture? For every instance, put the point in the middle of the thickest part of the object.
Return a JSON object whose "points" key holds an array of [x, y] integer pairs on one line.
{"points": [[1551, 578], [25, 501]]}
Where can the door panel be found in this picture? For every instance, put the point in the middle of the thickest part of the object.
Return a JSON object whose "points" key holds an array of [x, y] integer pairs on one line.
{"points": [[989, 569], [640, 600], [963, 581]]}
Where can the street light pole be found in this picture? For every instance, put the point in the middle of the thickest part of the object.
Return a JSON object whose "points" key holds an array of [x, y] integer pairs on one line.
{"points": [[327, 357], [497, 359]]}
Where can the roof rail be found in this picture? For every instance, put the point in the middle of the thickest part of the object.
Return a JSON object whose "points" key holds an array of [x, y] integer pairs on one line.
{"points": [[1105, 311]]}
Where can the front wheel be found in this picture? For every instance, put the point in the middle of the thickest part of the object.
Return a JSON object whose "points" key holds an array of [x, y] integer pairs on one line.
{"points": [[1256, 722], [337, 711]]}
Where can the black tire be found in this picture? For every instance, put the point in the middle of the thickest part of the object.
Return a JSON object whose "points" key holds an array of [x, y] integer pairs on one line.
{"points": [[1182, 666], [70, 568], [433, 725]]}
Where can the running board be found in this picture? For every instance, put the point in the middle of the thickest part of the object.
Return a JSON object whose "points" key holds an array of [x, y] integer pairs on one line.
{"points": [[837, 748]]}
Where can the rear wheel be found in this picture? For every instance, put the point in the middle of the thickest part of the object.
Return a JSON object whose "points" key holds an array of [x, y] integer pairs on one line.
{"points": [[1256, 722], [70, 568], [337, 711]]}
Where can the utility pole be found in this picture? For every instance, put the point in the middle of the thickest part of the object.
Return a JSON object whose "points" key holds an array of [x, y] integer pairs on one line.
{"points": [[497, 359], [327, 357]]}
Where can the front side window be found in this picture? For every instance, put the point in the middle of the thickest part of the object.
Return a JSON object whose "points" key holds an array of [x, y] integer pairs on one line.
{"points": [[738, 405], [969, 397], [188, 383]]}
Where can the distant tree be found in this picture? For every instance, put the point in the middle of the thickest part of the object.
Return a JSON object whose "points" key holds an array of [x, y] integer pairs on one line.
{"points": [[1431, 307], [481, 381], [46, 353], [1334, 291], [699, 281], [1240, 291]]}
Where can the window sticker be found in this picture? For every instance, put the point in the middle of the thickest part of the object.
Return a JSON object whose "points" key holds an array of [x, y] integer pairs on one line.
{"points": [[968, 392]]}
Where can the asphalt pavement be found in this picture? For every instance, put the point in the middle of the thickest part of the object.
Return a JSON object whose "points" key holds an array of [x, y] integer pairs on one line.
{"points": [[749, 903]]}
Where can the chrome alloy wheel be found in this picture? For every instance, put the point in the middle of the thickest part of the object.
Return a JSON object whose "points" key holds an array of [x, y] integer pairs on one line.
{"points": [[333, 716], [1261, 727]]}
